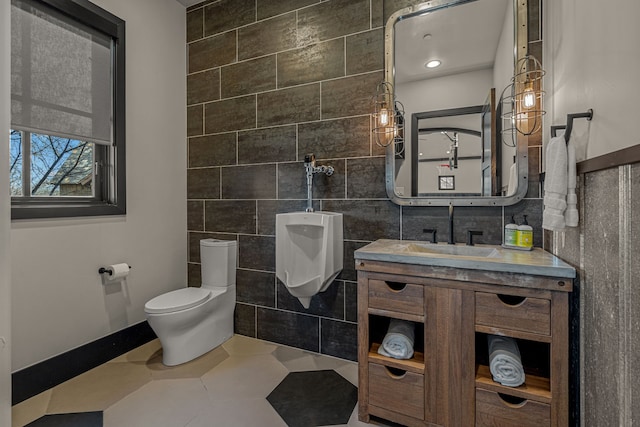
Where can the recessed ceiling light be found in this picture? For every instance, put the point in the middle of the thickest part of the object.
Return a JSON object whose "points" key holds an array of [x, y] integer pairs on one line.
{"points": [[427, 37], [433, 63]]}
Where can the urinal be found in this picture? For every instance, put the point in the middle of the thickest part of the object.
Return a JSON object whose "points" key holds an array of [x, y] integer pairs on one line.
{"points": [[308, 252]]}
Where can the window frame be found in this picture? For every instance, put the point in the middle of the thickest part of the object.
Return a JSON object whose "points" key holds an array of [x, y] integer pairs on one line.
{"points": [[110, 190]]}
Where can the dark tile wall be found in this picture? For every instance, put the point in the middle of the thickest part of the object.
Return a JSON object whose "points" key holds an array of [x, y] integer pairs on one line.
{"points": [[268, 82]]}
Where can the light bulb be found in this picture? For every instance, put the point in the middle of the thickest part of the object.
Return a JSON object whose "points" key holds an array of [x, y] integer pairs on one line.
{"points": [[528, 98], [383, 117]]}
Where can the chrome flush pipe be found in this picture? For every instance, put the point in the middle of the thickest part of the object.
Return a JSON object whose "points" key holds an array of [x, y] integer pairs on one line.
{"points": [[311, 168]]}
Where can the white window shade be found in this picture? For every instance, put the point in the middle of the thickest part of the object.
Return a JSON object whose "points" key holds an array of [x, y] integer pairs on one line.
{"points": [[60, 77]]}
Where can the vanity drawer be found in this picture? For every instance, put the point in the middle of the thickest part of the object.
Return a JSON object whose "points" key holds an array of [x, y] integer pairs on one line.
{"points": [[396, 390], [493, 411], [399, 297], [508, 312]]}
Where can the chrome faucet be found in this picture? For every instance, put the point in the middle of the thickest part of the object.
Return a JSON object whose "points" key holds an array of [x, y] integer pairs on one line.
{"points": [[451, 240]]}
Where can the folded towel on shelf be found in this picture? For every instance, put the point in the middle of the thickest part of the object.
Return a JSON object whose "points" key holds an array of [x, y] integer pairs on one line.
{"points": [[504, 361], [399, 340], [571, 217], [555, 185]]}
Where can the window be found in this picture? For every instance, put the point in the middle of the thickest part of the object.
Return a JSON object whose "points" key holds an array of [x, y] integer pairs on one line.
{"points": [[67, 139], [446, 182]]}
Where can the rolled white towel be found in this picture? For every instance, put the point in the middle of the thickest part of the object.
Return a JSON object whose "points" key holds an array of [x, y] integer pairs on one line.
{"points": [[505, 363], [399, 340]]}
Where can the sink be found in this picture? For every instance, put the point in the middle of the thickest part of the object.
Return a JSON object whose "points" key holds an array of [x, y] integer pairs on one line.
{"points": [[478, 257], [471, 251]]}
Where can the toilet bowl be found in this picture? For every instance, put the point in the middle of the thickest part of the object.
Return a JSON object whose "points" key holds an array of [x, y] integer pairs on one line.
{"points": [[308, 252], [189, 322]]}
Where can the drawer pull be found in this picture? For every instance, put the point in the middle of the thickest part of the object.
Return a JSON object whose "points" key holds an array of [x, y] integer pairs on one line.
{"points": [[395, 373], [396, 286], [512, 401], [511, 299]]}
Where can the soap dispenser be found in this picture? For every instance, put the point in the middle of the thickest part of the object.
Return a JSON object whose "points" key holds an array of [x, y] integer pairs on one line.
{"points": [[525, 235], [511, 233]]}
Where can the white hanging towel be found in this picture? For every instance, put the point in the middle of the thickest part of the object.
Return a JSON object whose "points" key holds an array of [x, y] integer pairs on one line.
{"points": [[555, 185], [513, 180], [571, 217]]}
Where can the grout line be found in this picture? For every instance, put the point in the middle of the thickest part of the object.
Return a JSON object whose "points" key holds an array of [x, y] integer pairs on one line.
{"points": [[319, 335], [346, 179], [344, 54]]}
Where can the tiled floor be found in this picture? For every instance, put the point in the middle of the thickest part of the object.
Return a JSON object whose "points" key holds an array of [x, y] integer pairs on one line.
{"points": [[228, 386]]}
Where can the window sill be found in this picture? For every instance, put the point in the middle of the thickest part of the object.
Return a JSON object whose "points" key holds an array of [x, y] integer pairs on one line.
{"points": [[33, 209]]}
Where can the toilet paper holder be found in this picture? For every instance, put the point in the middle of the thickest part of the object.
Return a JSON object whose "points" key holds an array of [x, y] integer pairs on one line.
{"points": [[109, 271]]}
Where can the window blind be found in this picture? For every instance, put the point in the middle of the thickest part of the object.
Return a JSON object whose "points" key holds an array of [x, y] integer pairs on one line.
{"points": [[61, 76]]}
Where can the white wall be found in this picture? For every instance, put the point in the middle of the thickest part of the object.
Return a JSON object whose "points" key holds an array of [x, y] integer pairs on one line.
{"points": [[592, 61], [57, 297], [5, 300]]}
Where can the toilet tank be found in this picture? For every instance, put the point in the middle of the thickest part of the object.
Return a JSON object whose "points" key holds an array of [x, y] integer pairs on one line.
{"points": [[218, 262]]}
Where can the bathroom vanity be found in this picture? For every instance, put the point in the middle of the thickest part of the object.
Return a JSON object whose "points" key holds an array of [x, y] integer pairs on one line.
{"points": [[457, 295]]}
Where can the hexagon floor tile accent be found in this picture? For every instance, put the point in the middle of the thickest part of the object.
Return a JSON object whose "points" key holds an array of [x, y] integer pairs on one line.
{"points": [[314, 398], [82, 419]]}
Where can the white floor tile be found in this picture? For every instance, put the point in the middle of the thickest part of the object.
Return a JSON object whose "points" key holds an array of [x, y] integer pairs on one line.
{"points": [[240, 345], [349, 371], [31, 409], [239, 413], [160, 403], [244, 377], [98, 388]]}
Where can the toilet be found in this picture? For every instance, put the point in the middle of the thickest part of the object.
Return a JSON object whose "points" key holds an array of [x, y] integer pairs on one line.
{"points": [[308, 252], [189, 322]]}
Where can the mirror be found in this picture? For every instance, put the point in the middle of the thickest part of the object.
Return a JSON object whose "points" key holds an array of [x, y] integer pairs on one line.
{"points": [[454, 151]]}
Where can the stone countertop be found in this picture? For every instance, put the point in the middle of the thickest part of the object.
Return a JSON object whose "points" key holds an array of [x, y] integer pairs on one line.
{"points": [[535, 262]]}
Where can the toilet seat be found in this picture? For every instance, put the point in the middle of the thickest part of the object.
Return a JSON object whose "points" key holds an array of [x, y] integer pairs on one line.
{"points": [[180, 299]]}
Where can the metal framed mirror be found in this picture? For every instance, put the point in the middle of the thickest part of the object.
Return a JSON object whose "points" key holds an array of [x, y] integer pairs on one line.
{"points": [[453, 130]]}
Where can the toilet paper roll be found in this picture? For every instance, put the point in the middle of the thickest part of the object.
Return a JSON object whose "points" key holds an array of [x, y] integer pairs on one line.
{"points": [[118, 271]]}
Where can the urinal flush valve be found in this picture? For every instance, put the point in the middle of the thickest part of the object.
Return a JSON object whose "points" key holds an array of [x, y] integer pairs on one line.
{"points": [[310, 168]]}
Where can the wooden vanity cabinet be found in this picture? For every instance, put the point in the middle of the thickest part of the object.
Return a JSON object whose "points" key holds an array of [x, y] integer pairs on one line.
{"points": [[447, 382]]}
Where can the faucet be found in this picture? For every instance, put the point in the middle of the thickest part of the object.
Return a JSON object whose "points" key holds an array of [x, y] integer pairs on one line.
{"points": [[451, 241], [470, 234], [434, 232], [311, 168]]}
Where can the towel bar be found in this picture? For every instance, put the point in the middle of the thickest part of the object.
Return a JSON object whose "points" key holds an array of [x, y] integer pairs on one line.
{"points": [[569, 126]]}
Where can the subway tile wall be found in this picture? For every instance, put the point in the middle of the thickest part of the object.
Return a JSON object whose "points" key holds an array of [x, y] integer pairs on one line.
{"points": [[267, 83]]}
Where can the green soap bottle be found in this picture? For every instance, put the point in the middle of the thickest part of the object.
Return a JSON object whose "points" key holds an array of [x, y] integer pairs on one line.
{"points": [[511, 233], [525, 234]]}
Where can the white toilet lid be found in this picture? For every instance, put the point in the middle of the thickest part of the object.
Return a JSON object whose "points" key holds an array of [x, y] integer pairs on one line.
{"points": [[180, 299]]}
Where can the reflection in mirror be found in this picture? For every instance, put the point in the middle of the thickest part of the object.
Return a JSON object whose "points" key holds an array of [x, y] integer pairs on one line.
{"points": [[473, 41], [447, 143]]}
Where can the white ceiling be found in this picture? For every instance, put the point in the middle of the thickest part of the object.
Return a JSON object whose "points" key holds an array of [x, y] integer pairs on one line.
{"points": [[464, 38], [187, 3]]}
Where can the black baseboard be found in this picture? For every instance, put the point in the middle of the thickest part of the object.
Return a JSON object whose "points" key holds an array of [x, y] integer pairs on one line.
{"points": [[35, 379]]}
